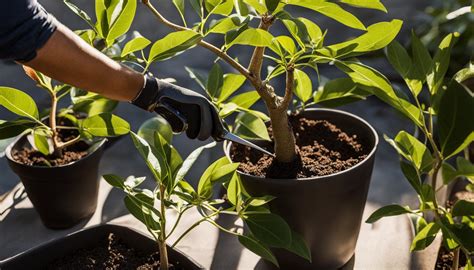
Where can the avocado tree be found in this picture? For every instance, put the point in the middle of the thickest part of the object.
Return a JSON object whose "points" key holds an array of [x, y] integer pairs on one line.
{"points": [[248, 23]]}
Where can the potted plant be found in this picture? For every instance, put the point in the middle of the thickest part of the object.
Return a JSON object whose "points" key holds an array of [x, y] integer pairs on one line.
{"points": [[324, 158], [451, 106], [57, 156]]}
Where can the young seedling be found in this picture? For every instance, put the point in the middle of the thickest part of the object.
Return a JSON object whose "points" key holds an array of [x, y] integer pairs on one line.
{"points": [[46, 131], [248, 23], [445, 120], [174, 193]]}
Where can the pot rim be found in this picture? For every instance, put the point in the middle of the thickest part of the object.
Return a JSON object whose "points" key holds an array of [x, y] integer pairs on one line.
{"points": [[106, 225], [324, 177], [9, 148]]}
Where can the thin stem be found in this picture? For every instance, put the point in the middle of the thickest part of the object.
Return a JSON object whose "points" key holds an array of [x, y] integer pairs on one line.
{"points": [[456, 259], [177, 221], [66, 127], [63, 145], [194, 226], [224, 56], [222, 228], [162, 242], [52, 124]]}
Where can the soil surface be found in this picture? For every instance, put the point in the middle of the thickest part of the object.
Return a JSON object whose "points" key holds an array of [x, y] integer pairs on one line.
{"points": [[110, 254], [30, 156], [322, 147]]}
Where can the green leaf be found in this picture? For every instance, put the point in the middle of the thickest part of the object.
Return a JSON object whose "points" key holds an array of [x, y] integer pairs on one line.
{"points": [[121, 19], [250, 126], [330, 10], [272, 4], [155, 124], [215, 81], [224, 8], [399, 58], [387, 211], [441, 62], [18, 102], [115, 180], [234, 191], [378, 36], [296, 27], [144, 212], [463, 208], [257, 5], [245, 100], [197, 7], [401, 61], [269, 229], [299, 246], [253, 37], [372, 4], [197, 76], [180, 6], [105, 125], [286, 43], [256, 247], [90, 103], [421, 58], [314, 32], [173, 44], [414, 150], [232, 82], [456, 128], [224, 25], [220, 171], [190, 160], [425, 237], [79, 12], [464, 168], [304, 86], [41, 141], [381, 87], [411, 175], [136, 44], [339, 92], [148, 155], [241, 8], [10, 129]]}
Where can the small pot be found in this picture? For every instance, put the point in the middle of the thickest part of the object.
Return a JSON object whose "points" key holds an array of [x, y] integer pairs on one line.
{"points": [[62, 195], [325, 210], [40, 257]]}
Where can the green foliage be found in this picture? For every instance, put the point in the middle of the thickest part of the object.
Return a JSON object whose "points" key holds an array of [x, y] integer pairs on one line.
{"points": [[44, 133], [175, 193], [450, 106]]}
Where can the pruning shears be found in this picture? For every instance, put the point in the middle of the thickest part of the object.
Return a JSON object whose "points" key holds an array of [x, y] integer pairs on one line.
{"points": [[179, 124]]}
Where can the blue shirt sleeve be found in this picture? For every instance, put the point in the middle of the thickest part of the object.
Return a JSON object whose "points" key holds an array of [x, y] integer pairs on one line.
{"points": [[24, 28]]}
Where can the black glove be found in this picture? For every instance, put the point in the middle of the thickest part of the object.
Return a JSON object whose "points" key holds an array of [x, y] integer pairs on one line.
{"points": [[184, 109]]}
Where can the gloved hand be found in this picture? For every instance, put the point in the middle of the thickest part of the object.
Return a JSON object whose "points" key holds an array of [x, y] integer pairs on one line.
{"points": [[193, 109]]}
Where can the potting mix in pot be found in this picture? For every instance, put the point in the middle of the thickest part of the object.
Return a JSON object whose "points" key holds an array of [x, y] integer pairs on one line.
{"points": [[323, 157]]}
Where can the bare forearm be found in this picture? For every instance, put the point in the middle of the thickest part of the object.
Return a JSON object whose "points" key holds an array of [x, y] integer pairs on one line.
{"points": [[67, 58]]}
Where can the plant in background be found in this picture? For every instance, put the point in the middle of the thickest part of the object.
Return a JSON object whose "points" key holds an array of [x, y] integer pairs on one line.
{"points": [[175, 193], [451, 106], [46, 134], [444, 17], [245, 22]]}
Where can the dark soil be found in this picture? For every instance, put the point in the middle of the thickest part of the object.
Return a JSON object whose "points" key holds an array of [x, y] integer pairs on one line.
{"points": [[30, 156], [322, 147], [110, 254]]}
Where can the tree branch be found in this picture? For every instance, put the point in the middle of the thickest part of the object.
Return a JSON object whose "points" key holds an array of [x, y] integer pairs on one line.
{"points": [[255, 66], [224, 56], [290, 79]]}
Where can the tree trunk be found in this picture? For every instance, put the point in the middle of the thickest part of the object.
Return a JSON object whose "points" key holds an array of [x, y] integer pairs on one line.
{"points": [[284, 139], [164, 264]]}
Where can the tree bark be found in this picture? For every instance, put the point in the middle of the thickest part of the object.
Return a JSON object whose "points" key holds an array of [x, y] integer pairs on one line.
{"points": [[284, 139]]}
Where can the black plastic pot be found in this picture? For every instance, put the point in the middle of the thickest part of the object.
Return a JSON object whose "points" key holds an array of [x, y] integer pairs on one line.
{"points": [[63, 195], [40, 257], [326, 211]]}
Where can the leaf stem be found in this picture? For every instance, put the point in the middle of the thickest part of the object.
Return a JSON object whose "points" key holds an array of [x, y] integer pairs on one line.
{"points": [[194, 226], [224, 56]]}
